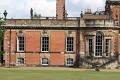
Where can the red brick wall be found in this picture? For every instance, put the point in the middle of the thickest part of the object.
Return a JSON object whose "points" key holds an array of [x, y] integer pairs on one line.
{"points": [[13, 41], [116, 11], [13, 58], [57, 59], [32, 58], [57, 40], [32, 39]]}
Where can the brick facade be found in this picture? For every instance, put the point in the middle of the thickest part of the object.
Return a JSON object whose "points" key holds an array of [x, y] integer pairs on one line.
{"points": [[78, 31]]}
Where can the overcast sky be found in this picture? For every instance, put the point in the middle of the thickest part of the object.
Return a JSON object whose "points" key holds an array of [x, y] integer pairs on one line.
{"points": [[21, 8]]}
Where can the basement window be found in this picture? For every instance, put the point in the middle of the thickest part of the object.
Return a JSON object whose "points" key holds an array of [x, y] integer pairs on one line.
{"points": [[44, 61], [20, 60], [69, 62]]}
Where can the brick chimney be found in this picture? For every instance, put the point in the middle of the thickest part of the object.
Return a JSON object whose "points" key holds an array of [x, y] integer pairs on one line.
{"points": [[60, 9]]}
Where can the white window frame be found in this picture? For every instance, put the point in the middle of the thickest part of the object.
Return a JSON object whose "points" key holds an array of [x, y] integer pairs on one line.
{"points": [[70, 44], [18, 44], [98, 45], [44, 64], [42, 44], [69, 63]]}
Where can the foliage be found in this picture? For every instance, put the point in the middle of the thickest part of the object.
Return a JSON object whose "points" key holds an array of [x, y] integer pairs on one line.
{"points": [[2, 21], [1, 36]]}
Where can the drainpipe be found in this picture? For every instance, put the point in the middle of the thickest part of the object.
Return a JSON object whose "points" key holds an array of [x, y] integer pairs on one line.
{"points": [[77, 59], [10, 49]]}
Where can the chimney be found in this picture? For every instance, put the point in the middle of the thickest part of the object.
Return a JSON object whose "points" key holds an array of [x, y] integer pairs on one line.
{"points": [[60, 9]]}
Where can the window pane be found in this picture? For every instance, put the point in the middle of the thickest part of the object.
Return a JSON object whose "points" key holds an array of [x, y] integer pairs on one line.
{"points": [[90, 46], [21, 43], [99, 44], [107, 46], [69, 43], [45, 43], [69, 62], [44, 61], [20, 60]]}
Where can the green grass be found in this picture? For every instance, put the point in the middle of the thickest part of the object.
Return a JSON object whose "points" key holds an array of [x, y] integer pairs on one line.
{"points": [[6, 74]]}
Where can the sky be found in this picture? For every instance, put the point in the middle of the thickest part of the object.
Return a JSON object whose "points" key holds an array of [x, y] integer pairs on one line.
{"points": [[21, 8]]}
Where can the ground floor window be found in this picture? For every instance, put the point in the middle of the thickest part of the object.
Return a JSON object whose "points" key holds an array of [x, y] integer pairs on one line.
{"points": [[107, 47], [44, 61], [69, 62], [90, 46], [20, 44], [69, 44], [20, 60], [99, 45], [45, 44]]}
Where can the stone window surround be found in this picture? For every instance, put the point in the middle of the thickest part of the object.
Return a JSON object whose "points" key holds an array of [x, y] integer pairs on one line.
{"points": [[94, 43]]}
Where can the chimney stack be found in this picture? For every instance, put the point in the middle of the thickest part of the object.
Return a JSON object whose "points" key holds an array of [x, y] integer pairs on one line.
{"points": [[60, 9]]}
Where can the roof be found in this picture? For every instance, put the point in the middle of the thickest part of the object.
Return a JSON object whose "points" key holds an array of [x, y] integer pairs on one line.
{"points": [[96, 17]]}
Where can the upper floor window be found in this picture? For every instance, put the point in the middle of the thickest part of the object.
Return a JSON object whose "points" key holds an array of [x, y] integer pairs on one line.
{"points": [[20, 43], [45, 44], [69, 44]]}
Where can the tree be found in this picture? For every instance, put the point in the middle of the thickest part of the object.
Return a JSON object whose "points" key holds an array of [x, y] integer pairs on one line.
{"points": [[1, 41]]}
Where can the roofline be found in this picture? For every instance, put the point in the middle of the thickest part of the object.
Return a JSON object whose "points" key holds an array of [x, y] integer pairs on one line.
{"points": [[58, 28]]}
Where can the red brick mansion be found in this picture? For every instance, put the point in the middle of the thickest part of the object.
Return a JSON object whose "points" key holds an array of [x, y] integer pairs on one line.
{"points": [[89, 41]]}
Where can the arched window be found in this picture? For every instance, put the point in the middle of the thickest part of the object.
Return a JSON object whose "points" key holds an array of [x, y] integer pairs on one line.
{"points": [[99, 44]]}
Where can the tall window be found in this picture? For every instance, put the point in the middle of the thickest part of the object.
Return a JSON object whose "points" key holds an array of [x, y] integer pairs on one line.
{"points": [[107, 47], [90, 46], [20, 43], [99, 44], [45, 44], [69, 43]]}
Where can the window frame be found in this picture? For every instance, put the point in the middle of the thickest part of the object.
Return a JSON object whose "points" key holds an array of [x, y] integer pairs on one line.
{"points": [[72, 49], [45, 64], [20, 60], [107, 53], [91, 46], [69, 63], [42, 43], [98, 45], [18, 44]]}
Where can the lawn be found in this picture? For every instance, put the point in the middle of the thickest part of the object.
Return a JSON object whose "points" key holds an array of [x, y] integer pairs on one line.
{"points": [[13, 74]]}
